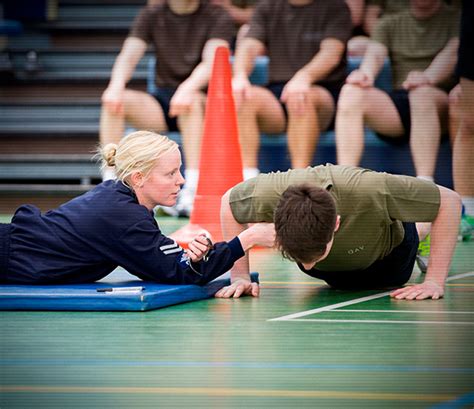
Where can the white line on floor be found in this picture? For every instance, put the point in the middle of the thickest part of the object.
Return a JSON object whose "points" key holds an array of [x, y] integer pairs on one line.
{"points": [[408, 311], [385, 321], [352, 302]]}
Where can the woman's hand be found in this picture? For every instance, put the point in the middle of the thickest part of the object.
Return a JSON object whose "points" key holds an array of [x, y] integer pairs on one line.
{"points": [[239, 287], [198, 248]]}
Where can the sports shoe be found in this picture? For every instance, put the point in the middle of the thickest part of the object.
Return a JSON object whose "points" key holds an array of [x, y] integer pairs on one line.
{"points": [[466, 228], [423, 254], [185, 203]]}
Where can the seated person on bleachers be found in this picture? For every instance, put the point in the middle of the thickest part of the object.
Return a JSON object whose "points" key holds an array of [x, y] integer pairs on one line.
{"points": [[184, 36], [305, 42], [421, 44], [240, 10], [373, 12]]}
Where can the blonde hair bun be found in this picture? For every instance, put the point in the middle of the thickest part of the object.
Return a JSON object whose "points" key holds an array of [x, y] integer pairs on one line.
{"points": [[108, 153]]}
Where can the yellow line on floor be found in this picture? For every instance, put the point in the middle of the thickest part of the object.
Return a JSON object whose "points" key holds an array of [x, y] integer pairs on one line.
{"points": [[410, 397], [310, 283]]}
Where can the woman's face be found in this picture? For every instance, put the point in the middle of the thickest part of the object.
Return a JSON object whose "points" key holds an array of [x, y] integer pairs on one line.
{"points": [[163, 183]]}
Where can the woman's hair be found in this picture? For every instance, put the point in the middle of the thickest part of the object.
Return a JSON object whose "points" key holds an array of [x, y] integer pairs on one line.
{"points": [[137, 152], [305, 219]]}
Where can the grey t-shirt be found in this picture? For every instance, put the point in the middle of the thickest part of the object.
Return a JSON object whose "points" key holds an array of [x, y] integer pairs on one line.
{"points": [[179, 39], [293, 34]]}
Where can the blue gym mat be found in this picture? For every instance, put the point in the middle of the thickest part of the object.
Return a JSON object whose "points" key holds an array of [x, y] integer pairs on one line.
{"points": [[85, 297]]}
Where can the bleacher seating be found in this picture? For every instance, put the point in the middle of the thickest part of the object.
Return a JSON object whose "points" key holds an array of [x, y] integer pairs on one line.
{"points": [[66, 66], [49, 118], [86, 15]]}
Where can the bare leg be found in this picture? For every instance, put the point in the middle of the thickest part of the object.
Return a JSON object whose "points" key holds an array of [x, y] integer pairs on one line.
{"points": [[358, 107], [463, 150], [260, 113], [428, 110], [143, 111], [112, 127], [191, 126], [454, 114], [304, 128], [140, 109]]}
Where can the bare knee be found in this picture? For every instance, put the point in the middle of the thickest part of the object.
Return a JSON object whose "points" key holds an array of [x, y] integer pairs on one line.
{"points": [[255, 102], [133, 99], [199, 101], [351, 99], [425, 98], [316, 101]]}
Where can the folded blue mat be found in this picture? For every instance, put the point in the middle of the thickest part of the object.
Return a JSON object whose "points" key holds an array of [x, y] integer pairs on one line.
{"points": [[85, 297]]}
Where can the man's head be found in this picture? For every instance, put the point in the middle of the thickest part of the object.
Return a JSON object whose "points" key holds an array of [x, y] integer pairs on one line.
{"points": [[305, 221]]}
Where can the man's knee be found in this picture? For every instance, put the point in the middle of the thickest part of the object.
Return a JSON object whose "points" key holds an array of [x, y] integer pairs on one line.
{"points": [[319, 99], [351, 98], [199, 100], [260, 98], [133, 99], [427, 96]]}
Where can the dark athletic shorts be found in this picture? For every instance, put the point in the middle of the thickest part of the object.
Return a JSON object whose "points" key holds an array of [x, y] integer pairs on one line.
{"points": [[401, 101], [465, 67], [276, 88], [163, 96], [392, 271]]}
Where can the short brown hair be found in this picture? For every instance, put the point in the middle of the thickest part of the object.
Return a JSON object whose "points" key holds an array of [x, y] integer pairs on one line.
{"points": [[305, 219]]}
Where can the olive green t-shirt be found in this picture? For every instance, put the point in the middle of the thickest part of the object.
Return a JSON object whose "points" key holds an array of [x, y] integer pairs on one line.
{"points": [[413, 44], [390, 6], [372, 206]]}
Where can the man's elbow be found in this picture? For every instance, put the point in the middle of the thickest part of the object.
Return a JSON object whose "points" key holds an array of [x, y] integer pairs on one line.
{"points": [[451, 199]]}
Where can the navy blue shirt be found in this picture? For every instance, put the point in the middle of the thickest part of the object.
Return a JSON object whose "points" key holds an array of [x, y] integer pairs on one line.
{"points": [[88, 237]]}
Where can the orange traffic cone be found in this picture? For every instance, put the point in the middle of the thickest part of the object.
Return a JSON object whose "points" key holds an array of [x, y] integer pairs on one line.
{"points": [[220, 165]]}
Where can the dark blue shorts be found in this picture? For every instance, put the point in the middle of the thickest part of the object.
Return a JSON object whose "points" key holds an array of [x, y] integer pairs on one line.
{"points": [[392, 271], [401, 101], [276, 88], [163, 96]]}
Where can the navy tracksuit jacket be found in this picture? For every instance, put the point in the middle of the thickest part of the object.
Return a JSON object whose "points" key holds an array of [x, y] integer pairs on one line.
{"points": [[88, 237]]}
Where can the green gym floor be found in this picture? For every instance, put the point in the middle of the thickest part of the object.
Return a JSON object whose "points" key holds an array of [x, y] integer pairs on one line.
{"points": [[300, 345]]}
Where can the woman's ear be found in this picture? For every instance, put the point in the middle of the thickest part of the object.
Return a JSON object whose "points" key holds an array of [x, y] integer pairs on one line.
{"points": [[338, 222], [137, 179]]}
